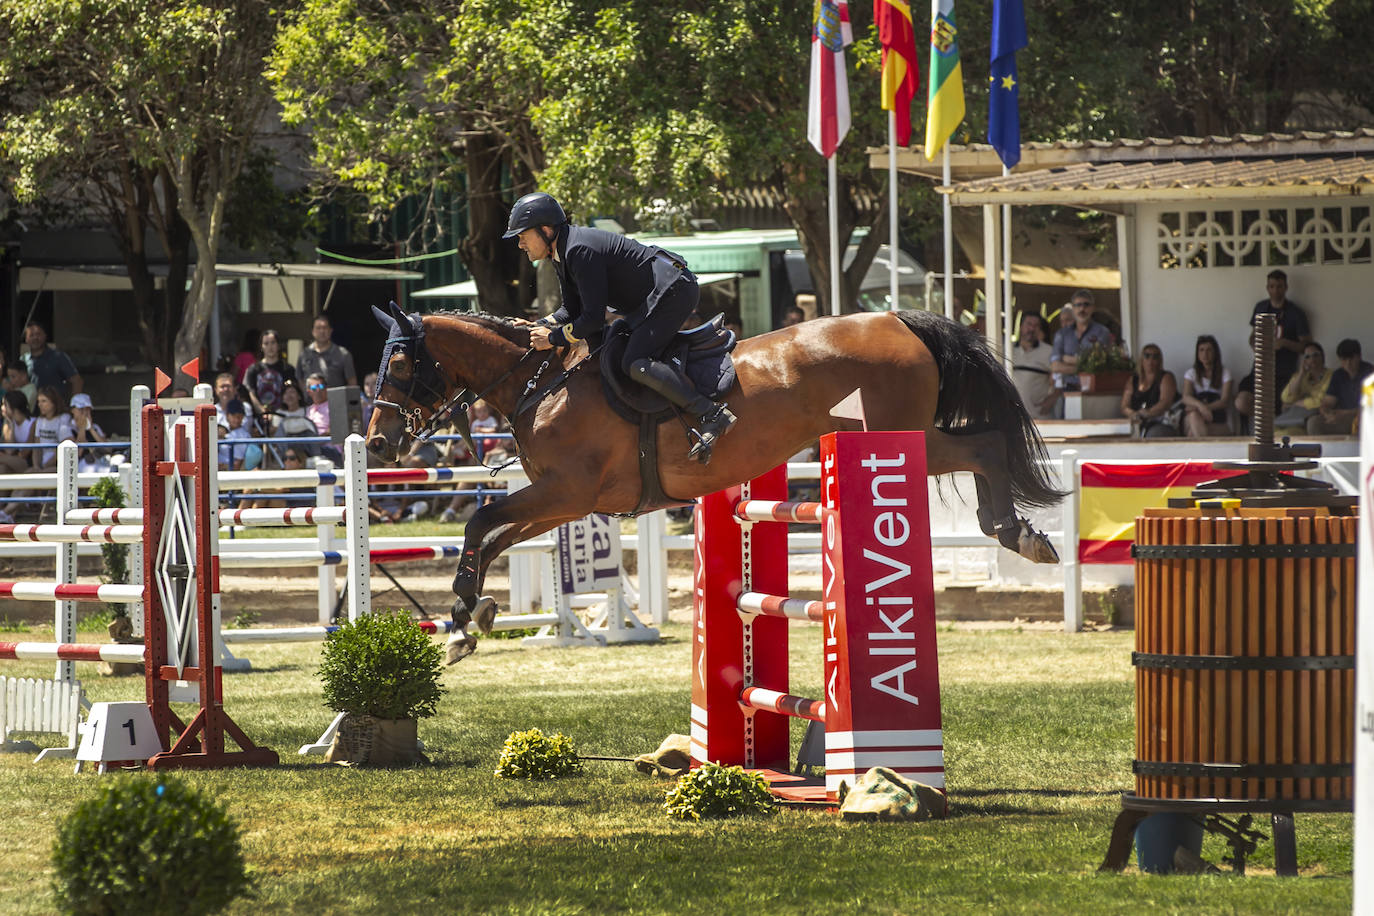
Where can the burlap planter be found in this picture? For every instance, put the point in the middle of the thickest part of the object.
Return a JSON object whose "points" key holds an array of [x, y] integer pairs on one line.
{"points": [[121, 630], [369, 741]]}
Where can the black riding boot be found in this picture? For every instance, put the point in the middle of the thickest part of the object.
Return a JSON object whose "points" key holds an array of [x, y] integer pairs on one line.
{"points": [[712, 420]]}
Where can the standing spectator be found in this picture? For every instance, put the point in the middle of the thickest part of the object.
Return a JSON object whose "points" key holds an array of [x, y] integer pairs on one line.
{"points": [[1148, 398], [17, 379], [1070, 341], [52, 425], [1302, 396], [247, 355], [333, 363], [367, 399], [1291, 332], [17, 427], [87, 431], [1207, 388], [267, 378], [795, 314], [1341, 403], [48, 366], [1030, 369]]}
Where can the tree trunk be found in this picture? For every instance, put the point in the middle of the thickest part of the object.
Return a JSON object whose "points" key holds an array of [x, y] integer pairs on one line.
{"points": [[491, 260], [808, 207]]}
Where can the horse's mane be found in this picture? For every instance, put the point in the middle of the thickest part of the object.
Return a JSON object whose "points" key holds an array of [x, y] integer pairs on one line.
{"points": [[501, 324]]}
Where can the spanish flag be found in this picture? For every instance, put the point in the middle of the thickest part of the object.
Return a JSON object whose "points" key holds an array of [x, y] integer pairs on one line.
{"points": [[1114, 494], [901, 76], [946, 107]]}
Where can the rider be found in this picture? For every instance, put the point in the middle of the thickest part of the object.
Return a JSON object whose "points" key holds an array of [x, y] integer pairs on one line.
{"points": [[650, 286]]}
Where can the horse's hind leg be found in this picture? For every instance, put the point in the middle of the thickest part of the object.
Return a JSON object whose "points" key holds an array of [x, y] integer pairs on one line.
{"points": [[985, 456]]}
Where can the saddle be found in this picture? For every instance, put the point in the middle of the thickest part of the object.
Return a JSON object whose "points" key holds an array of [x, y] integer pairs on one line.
{"points": [[701, 355]]}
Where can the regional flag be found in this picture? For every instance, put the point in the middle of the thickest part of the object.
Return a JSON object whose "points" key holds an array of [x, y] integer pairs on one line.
{"points": [[946, 107], [901, 76], [827, 119], [1004, 91], [1115, 494]]}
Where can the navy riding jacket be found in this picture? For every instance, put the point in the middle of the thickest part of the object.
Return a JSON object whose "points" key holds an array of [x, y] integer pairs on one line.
{"points": [[599, 270]]}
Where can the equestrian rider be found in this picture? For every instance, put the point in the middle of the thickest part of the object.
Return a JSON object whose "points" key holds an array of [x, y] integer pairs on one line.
{"points": [[651, 287]]}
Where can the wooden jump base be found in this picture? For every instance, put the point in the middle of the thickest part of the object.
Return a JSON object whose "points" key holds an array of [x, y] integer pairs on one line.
{"points": [[882, 702]]}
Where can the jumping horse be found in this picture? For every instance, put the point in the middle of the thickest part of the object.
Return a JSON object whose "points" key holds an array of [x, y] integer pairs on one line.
{"points": [[916, 371]]}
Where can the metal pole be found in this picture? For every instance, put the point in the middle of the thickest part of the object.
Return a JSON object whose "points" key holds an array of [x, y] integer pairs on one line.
{"points": [[1068, 556], [835, 259], [892, 303], [949, 243]]}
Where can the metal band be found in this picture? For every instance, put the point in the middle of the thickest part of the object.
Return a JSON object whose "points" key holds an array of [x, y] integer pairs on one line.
{"points": [[1240, 551], [1245, 770], [1244, 662]]}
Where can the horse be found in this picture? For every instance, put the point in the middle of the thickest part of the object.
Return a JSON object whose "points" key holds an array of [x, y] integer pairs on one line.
{"points": [[916, 371]]}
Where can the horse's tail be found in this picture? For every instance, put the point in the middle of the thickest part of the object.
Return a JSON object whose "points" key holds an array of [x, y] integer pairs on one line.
{"points": [[977, 394]]}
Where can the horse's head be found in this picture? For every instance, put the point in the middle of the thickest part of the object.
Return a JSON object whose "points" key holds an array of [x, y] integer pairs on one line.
{"points": [[410, 387]]}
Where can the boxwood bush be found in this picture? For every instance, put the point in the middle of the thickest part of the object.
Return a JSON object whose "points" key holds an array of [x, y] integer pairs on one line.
{"points": [[712, 791], [382, 665]]}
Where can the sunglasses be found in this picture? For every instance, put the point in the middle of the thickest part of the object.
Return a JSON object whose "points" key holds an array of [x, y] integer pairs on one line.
{"points": [[1082, 305], [316, 387]]}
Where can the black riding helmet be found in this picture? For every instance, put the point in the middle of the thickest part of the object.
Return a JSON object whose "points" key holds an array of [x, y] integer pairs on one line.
{"points": [[536, 209]]}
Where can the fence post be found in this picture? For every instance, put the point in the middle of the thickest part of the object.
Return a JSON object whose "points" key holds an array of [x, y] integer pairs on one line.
{"points": [[64, 612], [131, 479], [358, 576], [652, 560], [324, 542], [1068, 559]]}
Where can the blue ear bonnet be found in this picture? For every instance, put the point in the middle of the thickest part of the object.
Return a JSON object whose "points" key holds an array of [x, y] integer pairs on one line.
{"points": [[409, 340]]}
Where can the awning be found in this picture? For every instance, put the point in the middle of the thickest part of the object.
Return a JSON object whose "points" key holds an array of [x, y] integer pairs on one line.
{"points": [[468, 288]]}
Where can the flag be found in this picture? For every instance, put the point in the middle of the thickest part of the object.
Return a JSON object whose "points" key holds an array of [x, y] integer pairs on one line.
{"points": [[1004, 91], [851, 408], [946, 79], [1115, 494], [828, 116], [901, 76]]}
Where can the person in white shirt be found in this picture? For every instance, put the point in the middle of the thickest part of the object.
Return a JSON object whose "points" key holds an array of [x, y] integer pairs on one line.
{"points": [[1207, 390], [53, 425], [1030, 369]]}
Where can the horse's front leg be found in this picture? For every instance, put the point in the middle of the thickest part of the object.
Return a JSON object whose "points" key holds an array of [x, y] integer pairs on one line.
{"points": [[524, 514]]}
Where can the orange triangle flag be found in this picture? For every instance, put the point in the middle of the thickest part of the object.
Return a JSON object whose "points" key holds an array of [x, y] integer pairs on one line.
{"points": [[192, 369], [160, 382]]}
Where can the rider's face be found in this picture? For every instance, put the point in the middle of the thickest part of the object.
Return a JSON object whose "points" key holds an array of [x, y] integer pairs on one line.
{"points": [[533, 245]]}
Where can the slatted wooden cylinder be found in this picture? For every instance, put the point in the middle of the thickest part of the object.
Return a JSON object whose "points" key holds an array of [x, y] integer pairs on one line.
{"points": [[1245, 643]]}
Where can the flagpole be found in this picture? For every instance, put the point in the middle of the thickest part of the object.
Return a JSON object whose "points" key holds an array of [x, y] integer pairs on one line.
{"points": [[893, 305], [1008, 317], [834, 241], [949, 243]]}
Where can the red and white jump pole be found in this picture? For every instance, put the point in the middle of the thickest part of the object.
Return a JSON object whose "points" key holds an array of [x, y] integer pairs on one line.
{"points": [[882, 691]]}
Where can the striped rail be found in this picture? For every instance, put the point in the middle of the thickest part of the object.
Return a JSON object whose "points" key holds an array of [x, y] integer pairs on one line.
{"points": [[73, 534], [315, 634], [73, 652], [772, 510], [315, 558], [785, 703], [774, 606], [257, 518], [53, 591]]}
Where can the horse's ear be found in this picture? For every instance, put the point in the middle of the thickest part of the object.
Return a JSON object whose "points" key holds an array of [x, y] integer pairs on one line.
{"points": [[397, 313], [382, 317]]}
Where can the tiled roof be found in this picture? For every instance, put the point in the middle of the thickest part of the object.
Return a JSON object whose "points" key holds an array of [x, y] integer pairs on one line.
{"points": [[1298, 171]]}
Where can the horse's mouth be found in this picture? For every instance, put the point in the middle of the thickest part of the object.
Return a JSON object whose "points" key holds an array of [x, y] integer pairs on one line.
{"points": [[383, 448]]}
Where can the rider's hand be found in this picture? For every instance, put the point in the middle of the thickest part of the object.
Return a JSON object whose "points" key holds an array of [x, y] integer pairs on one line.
{"points": [[521, 322], [539, 338]]}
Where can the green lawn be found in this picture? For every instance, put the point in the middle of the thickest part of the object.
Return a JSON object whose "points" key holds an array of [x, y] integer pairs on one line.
{"points": [[1038, 732]]}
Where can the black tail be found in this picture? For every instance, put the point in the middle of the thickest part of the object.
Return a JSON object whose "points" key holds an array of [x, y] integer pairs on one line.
{"points": [[976, 395]]}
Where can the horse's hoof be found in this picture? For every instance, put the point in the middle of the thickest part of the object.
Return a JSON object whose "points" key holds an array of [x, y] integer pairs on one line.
{"points": [[484, 615], [460, 646], [1036, 546]]}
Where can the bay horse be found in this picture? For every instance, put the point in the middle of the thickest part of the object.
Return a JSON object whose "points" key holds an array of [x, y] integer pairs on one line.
{"points": [[916, 370]]}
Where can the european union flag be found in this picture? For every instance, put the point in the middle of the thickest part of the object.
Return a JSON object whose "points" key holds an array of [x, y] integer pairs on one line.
{"points": [[1004, 91]]}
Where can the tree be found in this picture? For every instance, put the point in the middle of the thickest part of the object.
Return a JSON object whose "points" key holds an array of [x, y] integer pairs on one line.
{"points": [[147, 110]]}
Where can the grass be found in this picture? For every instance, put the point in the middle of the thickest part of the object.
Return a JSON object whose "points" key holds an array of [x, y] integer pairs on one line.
{"points": [[1038, 731]]}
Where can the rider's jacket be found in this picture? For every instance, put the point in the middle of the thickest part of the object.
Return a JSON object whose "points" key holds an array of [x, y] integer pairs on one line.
{"points": [[599, 270]]}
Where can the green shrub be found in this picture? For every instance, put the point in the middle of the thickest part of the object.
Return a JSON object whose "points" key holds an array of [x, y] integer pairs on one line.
{"points": [[712, 791], [108, 494], [147, 847], [382, 665], [534, 755]]}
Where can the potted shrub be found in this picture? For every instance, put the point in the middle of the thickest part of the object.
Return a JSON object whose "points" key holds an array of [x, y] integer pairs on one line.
{"points": [[382, 672], [1103, 369], [108, 494]]}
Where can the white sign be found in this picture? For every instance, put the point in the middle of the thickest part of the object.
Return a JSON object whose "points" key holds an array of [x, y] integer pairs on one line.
{"points": [[589, 555]]}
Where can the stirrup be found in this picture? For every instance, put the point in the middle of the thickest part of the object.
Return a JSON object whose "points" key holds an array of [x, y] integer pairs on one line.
{"points": [[712, 426]]}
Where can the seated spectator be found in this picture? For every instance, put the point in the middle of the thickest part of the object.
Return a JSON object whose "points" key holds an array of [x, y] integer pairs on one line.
{"points": [[1207, 390], [1070, 340], [232, 456], [289, 419], [1302, 396], [1149, 398], [485, 422], [87, 430], [1340, 406], [17, 427], [317, 407], [17, 379], [52, 425], [1030, 368]]}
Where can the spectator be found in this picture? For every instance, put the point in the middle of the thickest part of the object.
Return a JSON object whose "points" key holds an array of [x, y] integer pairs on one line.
{"points": [[290, 420], [1030, 368], [266, 378], [485, 422], [48, 366], [16, 427], [232, 456], [1291, 333], [247, 355], [1302, 396], [367, 398], [1149, 398], [1207, 388], [224, 393], [317, 410], [1341, 403], [795, 314], [324, 357], [87, 430], [17, 379], [52, 425], [1083, 333]]}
